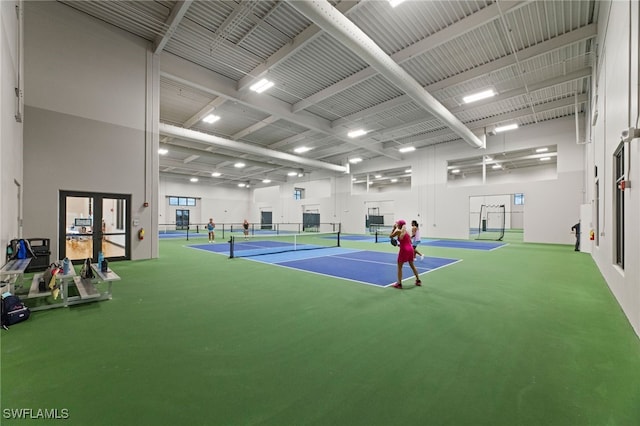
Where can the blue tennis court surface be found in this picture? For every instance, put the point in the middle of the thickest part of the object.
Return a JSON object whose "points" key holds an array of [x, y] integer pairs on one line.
{"points": [[362, 266], [469, 245]]}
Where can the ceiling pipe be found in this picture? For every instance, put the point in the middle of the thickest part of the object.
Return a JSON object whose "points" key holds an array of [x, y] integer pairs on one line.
{"points": [[325, 16], [192, 135]]}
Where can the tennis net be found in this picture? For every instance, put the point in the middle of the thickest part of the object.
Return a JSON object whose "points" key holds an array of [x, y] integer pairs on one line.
{"points": [[256, 245], [382, 234]]}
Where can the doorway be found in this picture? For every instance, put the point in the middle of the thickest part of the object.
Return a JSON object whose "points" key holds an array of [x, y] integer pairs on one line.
{"points": [[182, 219], [94, 222]]}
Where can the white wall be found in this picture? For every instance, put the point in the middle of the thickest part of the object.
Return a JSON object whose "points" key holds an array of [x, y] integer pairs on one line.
{"points": [[224, 205], [616, 83], [11, 175], [88, 109], [552, 195]]}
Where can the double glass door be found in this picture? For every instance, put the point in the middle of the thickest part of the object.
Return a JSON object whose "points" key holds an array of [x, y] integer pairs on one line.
{"points": [[94, 222]]}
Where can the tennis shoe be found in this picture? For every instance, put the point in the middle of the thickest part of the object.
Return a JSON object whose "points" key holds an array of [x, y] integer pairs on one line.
{"points": [[418, 283], [397, 285]]}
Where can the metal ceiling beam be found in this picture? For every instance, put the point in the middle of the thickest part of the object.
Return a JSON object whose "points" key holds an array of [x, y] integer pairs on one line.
{"points": [[207, 81], [298, 42], [492, 121], [463, 26], [191, 135], [206, 110], [175, 146], [584, 33], [172, 22], [346, 32]]}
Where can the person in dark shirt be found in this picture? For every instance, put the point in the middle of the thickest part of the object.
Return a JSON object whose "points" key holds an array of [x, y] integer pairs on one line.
{"points": [[576, 229]]}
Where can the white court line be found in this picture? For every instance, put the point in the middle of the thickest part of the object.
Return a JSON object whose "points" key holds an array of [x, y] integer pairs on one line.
{"points": [[430, 270], [496, 248]]}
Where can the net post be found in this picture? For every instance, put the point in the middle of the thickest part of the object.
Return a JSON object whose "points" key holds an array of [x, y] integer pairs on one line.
{"points": [[231, 241], [188, 232], [338, 238]]}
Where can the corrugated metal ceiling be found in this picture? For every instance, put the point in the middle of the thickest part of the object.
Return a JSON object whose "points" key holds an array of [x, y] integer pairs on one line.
{"points": [[536, 54]]}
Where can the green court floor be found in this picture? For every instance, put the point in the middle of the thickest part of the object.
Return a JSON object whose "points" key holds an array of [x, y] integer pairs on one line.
{"points": [[528, 334]]}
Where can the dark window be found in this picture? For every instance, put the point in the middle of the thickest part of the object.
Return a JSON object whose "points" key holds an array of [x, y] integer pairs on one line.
{"points": [[618, 158]]}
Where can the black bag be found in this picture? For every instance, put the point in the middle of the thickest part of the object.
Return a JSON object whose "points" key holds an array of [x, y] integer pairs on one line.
{"points": [[86, 271], [13, 311], [104, 268]]}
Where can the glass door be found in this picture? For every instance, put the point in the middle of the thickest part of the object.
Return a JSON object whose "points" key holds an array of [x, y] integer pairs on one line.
{"points": [[182, 219], [94, 222]]}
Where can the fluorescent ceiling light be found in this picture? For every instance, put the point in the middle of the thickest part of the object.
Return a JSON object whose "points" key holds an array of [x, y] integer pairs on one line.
{"points": [[408, 171], [262, 85], [356, 133], [242, 185], [216, 174], [496, 166], [455, 171], [542, 149], [211, 118], [478, 96], [487, 158], [266, 180], [394, 180], [507, 127], [407, 149], [292, 174], [239, 165], [301, 149], [545, 159], [394, 3], [377, 176], [193, 179], [355, 160], [163, 151]]}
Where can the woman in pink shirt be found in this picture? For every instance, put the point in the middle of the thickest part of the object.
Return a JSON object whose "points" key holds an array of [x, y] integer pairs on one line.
{"points": [[406, 253]]}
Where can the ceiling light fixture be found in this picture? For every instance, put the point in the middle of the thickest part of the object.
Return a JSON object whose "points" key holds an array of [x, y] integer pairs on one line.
{"points": [[242, 185], [507, 127], [542, 149], [356, 133], [301, 149], [163, 151], [292, 173], [478, 96], [355, 160], [394, 3], [194, 179], [545, 159], [394, 180], [408, 171], [216, 174], [239, 165], [407, 149], [262, 85], [455, 171], [266, 180], [496, 166], [211, 118]]}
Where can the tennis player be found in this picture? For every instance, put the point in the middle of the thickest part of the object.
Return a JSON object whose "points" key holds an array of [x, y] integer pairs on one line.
{"points": [[245, 229], [211, 227], [415, 239], [406, 253]]}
